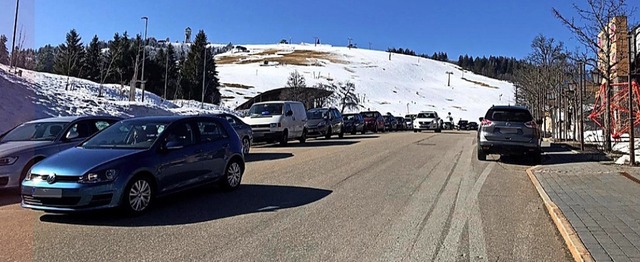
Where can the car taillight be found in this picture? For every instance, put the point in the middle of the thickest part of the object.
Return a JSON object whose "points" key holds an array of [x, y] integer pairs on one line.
{"points": [[486, 122], [531, 124]]}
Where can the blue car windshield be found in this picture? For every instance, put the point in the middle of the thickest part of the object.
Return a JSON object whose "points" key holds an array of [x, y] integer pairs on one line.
{"points": [[41, 131], [131, 134]]}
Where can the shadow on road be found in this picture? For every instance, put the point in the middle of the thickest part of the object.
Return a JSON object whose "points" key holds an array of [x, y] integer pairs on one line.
{"points": [[557, 154], [255, 157], [201, 205], [9, 197], [360, 136], [319, 143]]}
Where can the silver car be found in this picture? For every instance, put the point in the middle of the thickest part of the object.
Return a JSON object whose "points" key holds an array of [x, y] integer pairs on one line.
{"points": [[33, 141], [509, 130]]}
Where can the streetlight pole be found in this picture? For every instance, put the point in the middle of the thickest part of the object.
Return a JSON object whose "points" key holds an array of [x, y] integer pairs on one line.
{"points": [[166, 71], [204, 74], [581, 108], [144, 54], [13, 39]]}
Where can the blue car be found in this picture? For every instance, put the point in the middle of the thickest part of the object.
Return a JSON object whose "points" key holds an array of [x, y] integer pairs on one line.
{"points": [[134, 161]]}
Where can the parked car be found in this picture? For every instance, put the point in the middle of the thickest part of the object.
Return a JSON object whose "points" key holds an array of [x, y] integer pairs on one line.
{"points": [[353, 123], [472, 126], [373, 121], [427, 120], [324, 122], [242, 129], [462, 124], [509, 130], [402, 125], [408, 119], [390, 122], [33, 141], [134, 161], [278, 121]]}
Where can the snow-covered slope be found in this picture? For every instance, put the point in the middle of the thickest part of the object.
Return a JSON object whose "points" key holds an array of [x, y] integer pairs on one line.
{"points": [[387, 84], [38, 95], [395, 84]]}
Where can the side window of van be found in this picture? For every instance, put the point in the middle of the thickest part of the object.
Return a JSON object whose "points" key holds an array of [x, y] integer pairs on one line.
{"points": [[287, 108]]}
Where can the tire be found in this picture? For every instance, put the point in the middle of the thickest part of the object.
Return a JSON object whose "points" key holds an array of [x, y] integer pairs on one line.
{"points": [[138, 196], [303, 138], [437, 130], [536, 159], [246, 145], [328, 135], [232, 176], [341, 134], [375, 129], [482, 156], [354, 131], [285, 138], [364, 131], [415, 131]]}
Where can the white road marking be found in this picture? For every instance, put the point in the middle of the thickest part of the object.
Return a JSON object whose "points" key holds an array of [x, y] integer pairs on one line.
{"points": [[477, 244]]}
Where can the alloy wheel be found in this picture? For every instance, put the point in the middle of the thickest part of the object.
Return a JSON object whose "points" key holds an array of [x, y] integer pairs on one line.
{"points": [[140, 195]]}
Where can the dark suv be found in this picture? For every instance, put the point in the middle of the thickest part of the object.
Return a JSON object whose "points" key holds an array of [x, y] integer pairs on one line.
{"points": [[353, 123], [324, 122], [509, 130]]}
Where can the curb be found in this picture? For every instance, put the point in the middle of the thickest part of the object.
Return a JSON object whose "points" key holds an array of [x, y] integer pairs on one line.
{"points": [[571, 239]]}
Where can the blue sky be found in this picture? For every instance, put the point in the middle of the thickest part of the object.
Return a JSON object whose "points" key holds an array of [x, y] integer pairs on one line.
{"points": [[474, 27]]}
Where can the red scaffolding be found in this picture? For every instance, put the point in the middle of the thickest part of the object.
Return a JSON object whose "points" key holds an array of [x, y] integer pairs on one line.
{"points": [[619, 108]]}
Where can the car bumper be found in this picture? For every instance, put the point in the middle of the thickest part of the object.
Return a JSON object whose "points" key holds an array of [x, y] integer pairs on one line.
{"points": [[316, 131], [10, 176], [509, 148], [69, 197], [431, 126], [262, 136]]}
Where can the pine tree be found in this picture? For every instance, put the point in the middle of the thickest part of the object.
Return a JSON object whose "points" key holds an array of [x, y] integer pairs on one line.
{"points": [[193, 69], [92, 60], [69, 58], [45, 58], [4, 52]]}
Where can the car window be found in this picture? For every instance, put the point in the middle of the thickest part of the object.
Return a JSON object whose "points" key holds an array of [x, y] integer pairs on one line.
{"points": [[211, 131], [100, 124], [81, 129], [231, 120], [181, 133], [287, 108], [45, 131], [509, 114], [132, 134]]}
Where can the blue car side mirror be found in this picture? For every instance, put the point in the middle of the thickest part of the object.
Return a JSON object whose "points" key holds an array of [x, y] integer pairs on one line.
{"points": [[173, 145]]}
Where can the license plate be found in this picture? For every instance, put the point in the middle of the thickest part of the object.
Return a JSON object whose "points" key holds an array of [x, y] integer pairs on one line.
{"points": [[508, 130], [47, 192]]}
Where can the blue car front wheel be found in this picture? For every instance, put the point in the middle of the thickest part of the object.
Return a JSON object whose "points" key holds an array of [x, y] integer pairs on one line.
{"points": [[138, 195]]}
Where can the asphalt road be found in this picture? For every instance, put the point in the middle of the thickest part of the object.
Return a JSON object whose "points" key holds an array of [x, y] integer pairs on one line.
{"points": [[375, 197]]}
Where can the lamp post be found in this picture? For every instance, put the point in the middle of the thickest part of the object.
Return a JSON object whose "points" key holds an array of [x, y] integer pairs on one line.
{"points": [[144, 54], [580, 107], [13, 39], [166, 71], [204, 74], [449, 73]]}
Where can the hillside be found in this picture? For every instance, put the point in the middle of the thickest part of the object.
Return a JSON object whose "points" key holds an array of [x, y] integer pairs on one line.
{"points": [[397, 85], [38, 95], [386, 85]]}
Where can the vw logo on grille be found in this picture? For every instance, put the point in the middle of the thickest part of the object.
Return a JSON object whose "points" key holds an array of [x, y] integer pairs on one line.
{"points": [[51, 178]]}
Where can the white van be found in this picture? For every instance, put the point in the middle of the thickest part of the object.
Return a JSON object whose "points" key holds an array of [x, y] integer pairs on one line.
{"points": [[277, 121]]}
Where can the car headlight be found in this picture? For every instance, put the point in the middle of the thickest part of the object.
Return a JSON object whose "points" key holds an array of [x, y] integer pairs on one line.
{"points": [[97, 177], [272, 125], [8, 160]]}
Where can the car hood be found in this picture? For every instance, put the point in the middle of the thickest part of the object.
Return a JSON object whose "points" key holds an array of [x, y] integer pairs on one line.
{"points": [[78, 161], [7, 148], [262, 120]]}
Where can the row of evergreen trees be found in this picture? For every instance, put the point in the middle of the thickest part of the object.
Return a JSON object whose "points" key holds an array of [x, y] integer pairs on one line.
{"points": [[499, 67], [119, 60]]}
